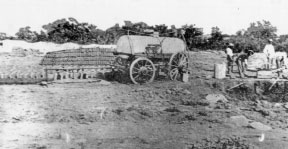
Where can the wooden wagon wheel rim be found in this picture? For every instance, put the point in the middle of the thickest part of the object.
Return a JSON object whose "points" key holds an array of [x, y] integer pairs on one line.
{"points": [[142, 70], [177, 64]]}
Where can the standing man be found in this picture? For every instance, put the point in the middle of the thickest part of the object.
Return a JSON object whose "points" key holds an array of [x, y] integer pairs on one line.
{"points": [[229, 52], [270, 53]]}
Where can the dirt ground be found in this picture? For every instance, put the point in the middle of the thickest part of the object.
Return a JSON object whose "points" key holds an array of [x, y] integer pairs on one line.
{"points": [[109, 115], [198, 114]]}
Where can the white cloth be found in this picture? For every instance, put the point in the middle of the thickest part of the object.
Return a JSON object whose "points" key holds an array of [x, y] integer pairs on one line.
{"points": [[269, 51], [229, 52]]}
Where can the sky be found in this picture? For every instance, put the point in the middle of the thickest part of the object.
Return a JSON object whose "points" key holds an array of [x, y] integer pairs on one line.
{"points": [[229, 15]]}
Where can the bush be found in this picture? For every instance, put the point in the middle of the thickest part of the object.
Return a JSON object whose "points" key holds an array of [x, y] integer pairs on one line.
{"points": [[26, 34], [70, 30]]}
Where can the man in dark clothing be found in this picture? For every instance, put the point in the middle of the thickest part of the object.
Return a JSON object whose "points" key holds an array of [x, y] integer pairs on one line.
{"points": [[241, 62]]}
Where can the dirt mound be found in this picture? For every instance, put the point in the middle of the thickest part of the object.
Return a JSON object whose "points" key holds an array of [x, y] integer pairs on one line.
{"points": [[8, 45], [20, 52], [202, 63]]}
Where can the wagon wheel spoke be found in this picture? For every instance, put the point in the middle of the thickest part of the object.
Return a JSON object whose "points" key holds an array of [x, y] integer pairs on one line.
{"points": [[144, 63], [141, 63], [179, 55], [184, 63], [174, 73], [182, 57], [175, 65], [137, 76], [137, 65], [149, 74], [176, 61], [146, 76], [136, 68]]}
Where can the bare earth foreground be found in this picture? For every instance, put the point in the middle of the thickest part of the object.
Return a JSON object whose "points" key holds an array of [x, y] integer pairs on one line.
{"points": [[161, 115], [107, 115]]}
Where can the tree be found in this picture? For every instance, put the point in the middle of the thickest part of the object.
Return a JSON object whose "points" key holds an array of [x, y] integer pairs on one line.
{"points": [[3, 36], [282, 43], [162, 29], [25, 33], [192, 36], [113, 33], [255, 36], [42, 36], [215, 41], [261, 30], [70, 30]]}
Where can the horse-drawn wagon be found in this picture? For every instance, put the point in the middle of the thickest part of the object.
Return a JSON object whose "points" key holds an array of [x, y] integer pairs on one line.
{"points": [[146, 56]]}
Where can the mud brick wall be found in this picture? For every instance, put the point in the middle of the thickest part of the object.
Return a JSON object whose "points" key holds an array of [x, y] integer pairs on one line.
{"points": [[84, 56]]}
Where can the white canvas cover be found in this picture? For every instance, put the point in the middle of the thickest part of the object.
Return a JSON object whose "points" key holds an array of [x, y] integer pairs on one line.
{"points": [[136, 44]]}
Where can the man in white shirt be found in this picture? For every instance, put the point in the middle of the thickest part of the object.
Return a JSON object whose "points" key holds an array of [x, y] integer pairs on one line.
{"points": [[229, 53], [270, 53]]}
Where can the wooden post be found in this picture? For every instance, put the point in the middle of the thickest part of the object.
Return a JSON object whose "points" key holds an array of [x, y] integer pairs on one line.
{"points": [[62, 74], [55, 76], [74, 74], [46, 74], [81, 74], [66, 74]]}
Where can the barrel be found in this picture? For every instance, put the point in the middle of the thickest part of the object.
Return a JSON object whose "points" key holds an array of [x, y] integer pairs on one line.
{"points": [[185, 77], [220, 71]]}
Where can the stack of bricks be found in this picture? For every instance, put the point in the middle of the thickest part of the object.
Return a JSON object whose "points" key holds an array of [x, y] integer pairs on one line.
{"points": [[85, 56]]}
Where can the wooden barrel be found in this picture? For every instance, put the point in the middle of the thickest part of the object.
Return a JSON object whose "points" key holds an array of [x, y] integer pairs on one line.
{"points": [[220, 71]]}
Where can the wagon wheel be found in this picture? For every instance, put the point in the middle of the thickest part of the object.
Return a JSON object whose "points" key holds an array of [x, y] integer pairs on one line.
{"points": [[178, 64], [142, 70]]}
